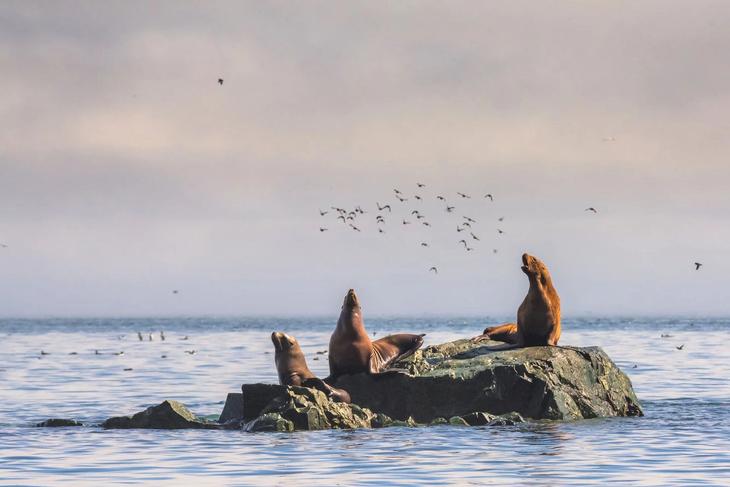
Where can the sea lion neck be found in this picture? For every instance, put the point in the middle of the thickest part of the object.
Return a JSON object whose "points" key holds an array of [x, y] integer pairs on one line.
{"points": [[351, 315]]}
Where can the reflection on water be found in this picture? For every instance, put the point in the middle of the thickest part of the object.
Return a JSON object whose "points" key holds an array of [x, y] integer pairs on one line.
{"points": [[683, 440]]}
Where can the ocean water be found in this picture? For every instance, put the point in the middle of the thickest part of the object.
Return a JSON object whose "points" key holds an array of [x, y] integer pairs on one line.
{"points": [[684, 439]]}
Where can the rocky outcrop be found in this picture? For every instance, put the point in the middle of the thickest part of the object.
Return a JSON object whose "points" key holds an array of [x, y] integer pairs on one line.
{"points": [[167, 415], [459, 378], [57, 423]]}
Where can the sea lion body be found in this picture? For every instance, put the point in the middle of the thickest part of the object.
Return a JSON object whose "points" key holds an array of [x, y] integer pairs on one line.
{"points": [[351, 351], [538, 317], [291, 366]]}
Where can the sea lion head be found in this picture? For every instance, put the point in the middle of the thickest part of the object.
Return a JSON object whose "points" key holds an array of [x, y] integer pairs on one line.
{"points": [[351, 300], [283, 342], [536, 270]]}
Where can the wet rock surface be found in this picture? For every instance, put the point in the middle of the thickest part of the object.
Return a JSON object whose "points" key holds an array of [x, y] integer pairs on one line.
{"points": [[58, 423], [167, 415], [461, 377]]}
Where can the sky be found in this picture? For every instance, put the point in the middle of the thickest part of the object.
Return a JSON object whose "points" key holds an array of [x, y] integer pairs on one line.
{"points": [[127, 171]]}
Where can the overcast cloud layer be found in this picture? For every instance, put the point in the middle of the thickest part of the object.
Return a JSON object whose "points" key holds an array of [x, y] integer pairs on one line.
{"points": [[126, 171]]}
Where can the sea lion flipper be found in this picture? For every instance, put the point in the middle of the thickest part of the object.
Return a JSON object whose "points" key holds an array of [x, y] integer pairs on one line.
{"points": [[507, 332], [337, 395], [389, 350]]}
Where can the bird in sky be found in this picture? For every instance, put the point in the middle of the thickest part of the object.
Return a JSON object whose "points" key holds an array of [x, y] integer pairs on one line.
{"points": [[341, 217], [175, 291], [436, 271], [697, 266], [397, 191], [420, 216], [680, 347], [491, 198], [500, 231], [406, 222], [380, 230], [474, 236], [220, 81], [402, 200], [381, 208], [323, 213], [449, 209], [464, 242], [191, 352], [494, 251], [591, 209], [466, 224], [500, 219], [439, 197], [354, 227], [420, 185], [322, 229], [459, 229], [469, 219], [463, 195], [417, 197], [415, 212], [360, 210], [424, 244], [3, 245], [426, 224]]}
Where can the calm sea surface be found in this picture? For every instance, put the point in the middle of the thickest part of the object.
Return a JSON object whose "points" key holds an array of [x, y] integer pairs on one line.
{"points": [[683, 440]]}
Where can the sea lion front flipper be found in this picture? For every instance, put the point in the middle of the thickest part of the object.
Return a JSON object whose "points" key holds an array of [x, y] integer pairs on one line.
{"points": [[337, 395], [502, 333], [391, 349]]}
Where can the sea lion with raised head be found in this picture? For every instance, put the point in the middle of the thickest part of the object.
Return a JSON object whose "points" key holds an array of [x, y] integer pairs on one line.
{"points": [[538, 317], [351, 350], [292, 369]]}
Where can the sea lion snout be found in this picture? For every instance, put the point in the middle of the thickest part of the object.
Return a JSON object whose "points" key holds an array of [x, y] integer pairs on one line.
{"points": [[281, 341], [351, 300]]}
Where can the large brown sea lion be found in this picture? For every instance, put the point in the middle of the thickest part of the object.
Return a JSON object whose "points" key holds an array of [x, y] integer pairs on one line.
{"points": [[538, 317], [293, 371], [351, 350]]}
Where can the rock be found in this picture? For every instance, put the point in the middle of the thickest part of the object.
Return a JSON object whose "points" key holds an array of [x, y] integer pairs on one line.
{"points": [[257, 396], [461, 377], [167, 415], [458, 421], [57, 423], [438, 421], [233, 409], [269, 422], [381, 421]]}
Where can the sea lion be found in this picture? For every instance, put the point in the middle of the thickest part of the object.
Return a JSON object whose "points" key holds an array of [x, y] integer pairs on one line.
{"points": [[292, 369], [351, 350], [538, 317]]}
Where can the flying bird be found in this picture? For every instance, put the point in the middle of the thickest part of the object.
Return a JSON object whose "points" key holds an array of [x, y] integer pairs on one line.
{"points": [[491, 198], [500, 231], [322, 229], [401, 199], [415, 212], [360, 210], [381, 230], [459, 229], [500, 219], [381, 208], [417, 197], [405, 222], [449, 209], [474, 236], [494, 251], [420, 185], [464, 242], [420, 216], [439, 197], [424, 244], [436, 271], [591, 209], [175, 291], [354, 227], [680, 347], [397, 191], [220, 81], [323, 213], [3, 245], [426, 224], [697, 266], [341, 217], [466, 224], [469, 219], [191, 352], [463, 195]]}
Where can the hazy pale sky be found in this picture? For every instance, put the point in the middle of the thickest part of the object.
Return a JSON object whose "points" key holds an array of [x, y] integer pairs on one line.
{"points": [[126, 171]]}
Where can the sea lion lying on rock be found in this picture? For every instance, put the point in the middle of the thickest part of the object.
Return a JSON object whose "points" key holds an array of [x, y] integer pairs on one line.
{"points": [[293, 371], [351, 350], [538, 317]]}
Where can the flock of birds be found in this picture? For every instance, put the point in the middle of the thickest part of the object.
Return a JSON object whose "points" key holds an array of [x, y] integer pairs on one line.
{"points": [[141, 338], [465, 226]]}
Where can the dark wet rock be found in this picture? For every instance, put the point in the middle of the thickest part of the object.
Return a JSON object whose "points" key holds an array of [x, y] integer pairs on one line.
{"points": [[233, 409], [167, 415], [381, 421], [269, 422], [304, 408], [58, 423], [461, 377]]}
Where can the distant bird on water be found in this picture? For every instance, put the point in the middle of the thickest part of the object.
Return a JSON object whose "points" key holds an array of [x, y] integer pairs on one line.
{"points": [[220, 81], [697, 266], [436, 271], [591, 209]]}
